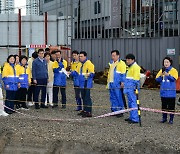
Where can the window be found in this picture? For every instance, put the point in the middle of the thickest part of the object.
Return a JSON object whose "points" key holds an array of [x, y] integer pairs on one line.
{"points": [[46, 1], [75, 12], [60, 14], [97, 7]]}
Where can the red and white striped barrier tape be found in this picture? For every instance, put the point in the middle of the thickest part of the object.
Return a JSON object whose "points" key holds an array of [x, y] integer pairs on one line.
{"points": [[97, 117]]}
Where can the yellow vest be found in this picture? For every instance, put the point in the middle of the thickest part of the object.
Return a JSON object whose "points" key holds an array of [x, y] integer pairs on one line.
{"points": [[87, 67], [21, 70], [56, 64], [133, 72]]}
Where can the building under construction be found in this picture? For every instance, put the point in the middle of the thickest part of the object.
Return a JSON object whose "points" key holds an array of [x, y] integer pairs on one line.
{"points": [[148, 28]]}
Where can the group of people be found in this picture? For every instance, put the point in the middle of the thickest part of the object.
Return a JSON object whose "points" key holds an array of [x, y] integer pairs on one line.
{"points": [[46, 72], [125, 79]]}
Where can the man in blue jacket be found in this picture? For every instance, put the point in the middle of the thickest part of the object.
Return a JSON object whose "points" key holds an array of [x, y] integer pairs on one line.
{"points": [[59, 66], [85, 74], [40, 78]]}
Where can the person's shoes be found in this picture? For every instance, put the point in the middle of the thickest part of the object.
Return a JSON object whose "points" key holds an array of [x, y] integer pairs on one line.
{"points": [[55, 106], [78, 108], [163, 120], [132, 122], [178, 103], [63, 106], [9, 112], [127, 119], [30, 103], [170, 122], [119, 115], [87, 115], [18, 107], [25, 108], [81, 113], [37, 107], [51, 104], [44, 106], [3, 113]]}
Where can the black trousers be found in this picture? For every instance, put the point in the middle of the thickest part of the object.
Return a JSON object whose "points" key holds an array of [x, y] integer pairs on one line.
{"points": [[31, 91], [21, 97], [40, 86], [124, 99], [55, 94], [168, 104]]}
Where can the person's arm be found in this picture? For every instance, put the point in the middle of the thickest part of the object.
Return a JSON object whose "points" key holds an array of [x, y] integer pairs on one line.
{"points": [[173, 75], [121, 69], [159, 77], [34, 71], [91, 70], [136, 77], [29, 75]]}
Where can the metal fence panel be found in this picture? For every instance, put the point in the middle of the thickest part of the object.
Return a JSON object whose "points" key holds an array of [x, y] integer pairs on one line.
{"points": [[149, 52]]}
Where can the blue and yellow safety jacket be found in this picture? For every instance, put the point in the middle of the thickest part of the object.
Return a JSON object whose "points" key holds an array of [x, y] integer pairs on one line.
{"points": [[119, 74], [59, 76], [24, 74], [132, 80], [10, 77], [74, 66], [85, 73], [167, 83]]}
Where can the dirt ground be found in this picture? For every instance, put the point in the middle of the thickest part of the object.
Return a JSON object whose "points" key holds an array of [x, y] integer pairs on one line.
{"points": [[26, 134]]}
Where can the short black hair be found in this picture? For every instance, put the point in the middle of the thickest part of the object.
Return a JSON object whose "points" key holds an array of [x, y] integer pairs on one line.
{"points": [[75, 52], [22, 57], [168, 58], [84, 53], [47, 50], [34, 55], [10, 57], [40, 50], [58, 51], [47, 53], [130, 56], [15, 56], [115, 51], [53, 52]]}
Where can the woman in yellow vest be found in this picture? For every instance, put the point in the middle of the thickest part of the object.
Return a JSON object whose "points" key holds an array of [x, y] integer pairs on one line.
{"points": [[24, 74], [167, 77], [10, 79]]}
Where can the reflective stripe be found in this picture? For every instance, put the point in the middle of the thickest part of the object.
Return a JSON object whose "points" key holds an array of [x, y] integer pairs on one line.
{"points": [[129, 77], [85, 73], [11, 76], [21, 78]]}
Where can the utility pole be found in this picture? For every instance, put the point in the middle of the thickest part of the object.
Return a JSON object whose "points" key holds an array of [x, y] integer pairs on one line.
{"points": [[19, 26], [79, 19]]}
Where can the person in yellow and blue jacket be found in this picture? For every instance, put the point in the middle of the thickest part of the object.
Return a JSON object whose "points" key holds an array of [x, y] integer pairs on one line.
{"points": [[85, 73], [24, 74], [59, 79], [132, 82], [10, 79], [74, 64], [167, 77], [115, 81]]}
